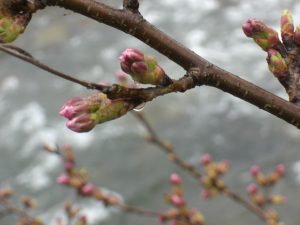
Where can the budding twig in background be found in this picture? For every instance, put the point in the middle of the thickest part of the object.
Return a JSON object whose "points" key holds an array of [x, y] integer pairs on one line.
{"points": [[180, 214], [85, 113], [143, 68]]}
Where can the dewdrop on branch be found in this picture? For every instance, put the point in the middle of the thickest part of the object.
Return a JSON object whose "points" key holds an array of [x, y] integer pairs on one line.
{"points": [[85, 113], [143, 68]]}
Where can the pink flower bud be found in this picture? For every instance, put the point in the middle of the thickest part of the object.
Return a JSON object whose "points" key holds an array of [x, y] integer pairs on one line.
{"points": [[252, 189], [175, 179], [87, 190], [206, 159], [263, 35], [85, 113], [143, 68], [248, 28], [82, 123], [280, 169], [69, 165], [255, 170], [177, 200], [277, 64], [63, 179], [139, 68], [287, 26], [72, 108]]}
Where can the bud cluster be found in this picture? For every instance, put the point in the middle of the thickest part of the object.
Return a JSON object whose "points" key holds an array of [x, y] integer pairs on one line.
{"points": [[77, 179], [213, 172], [283, 56], [143, 68], [260, 194], [85, 113], [180, 214]]}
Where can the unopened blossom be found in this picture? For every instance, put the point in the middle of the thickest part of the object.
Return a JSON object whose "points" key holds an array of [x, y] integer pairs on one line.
{"points": [[175, 179], [87, 190], [287, 26], [63, 179], [280, 169], [85, 113], [277, 64], [143, 68], [263, 35]]}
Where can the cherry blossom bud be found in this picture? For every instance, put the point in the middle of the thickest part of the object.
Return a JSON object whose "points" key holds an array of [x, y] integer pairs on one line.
{"points": [[277, 64], [87, 190], [143, 68], [263, 35], [287, 26], [177, 200], [63, 179], [85, 113], [255, 170], [81, 123], [206, 159], [73, 108], [175, 179], [280, 169], [252, 189], [68, 165]]}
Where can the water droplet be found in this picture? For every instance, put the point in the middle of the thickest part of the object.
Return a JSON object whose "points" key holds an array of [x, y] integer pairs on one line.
{"points": [[140, 107]]}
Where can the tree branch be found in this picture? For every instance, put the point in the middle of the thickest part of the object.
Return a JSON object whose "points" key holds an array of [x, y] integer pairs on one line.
{"points": [[192, 170], [211, 75]]}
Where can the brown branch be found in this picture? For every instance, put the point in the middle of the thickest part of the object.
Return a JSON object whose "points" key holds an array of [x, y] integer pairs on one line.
{"points": [[25, 56], [192, 170], [135, 25]]}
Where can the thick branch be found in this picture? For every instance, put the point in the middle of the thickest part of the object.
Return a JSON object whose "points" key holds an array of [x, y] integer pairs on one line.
{"points": [[135, 25]]}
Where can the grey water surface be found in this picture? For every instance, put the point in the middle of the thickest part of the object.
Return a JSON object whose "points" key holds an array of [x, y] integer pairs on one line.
{"points": [[201, 120]]}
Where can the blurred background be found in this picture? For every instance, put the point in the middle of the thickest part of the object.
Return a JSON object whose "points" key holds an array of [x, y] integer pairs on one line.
{"points": [[115, 153]]}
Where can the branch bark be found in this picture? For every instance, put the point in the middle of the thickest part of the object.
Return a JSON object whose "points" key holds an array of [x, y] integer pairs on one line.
{"points": [[208, 74]]}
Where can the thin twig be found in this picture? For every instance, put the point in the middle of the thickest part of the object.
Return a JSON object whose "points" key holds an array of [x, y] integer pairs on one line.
{"points": [[25, 56], [168, 149]]}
